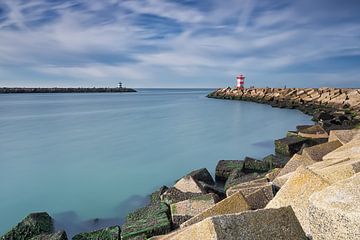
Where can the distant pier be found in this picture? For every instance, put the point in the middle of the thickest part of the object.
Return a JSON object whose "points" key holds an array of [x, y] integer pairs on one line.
{"points": [[5, 90]]}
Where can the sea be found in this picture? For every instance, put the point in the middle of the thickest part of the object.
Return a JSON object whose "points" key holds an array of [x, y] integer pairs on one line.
{"points": [[88, 159]]}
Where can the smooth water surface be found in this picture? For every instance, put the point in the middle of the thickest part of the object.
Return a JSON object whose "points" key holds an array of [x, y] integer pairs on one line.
{"points": [[86, 156]]}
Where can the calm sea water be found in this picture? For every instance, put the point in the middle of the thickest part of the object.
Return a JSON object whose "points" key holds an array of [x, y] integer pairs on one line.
{"points": [[86, 156]]}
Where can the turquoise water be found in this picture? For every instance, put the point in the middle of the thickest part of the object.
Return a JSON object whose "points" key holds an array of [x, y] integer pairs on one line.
{"points": [[86, 156]]}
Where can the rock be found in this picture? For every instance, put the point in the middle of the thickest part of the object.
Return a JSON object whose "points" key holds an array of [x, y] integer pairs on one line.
{"points": [[32, 225], [279, 181], [61, 235], [322, 115], [173, 195], [275, 161], [234, 204], [334, 212], [314, 131], [238, 177], [317, 152], [296, 193], [189, 184], [262, 224], [155, 197], [252, 165], [225, 167], [288, 146], [109, 233], [272, 174], [344, 136], [216, 189], [184, 210], [296, 161], [349, 150], [202, 175], [148, 221]]}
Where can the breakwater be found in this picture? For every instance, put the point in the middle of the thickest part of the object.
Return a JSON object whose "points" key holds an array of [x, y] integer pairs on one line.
{"points": [[64, 90]]}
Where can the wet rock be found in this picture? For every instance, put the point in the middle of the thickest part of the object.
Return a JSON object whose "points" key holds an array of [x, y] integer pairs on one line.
{"points": [[61, 235], [275, 161], [254, 165], [32, 225], [288, 146], [225, 167], [261, 224], [109, 233], [234, 204], [215, 189], [202, 175], [184, 210], [173, 195], [155, 197], [148, 221], [239, 177]]}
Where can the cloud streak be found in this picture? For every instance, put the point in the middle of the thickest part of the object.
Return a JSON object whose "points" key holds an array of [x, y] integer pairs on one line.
{"points": [[183, 43]]}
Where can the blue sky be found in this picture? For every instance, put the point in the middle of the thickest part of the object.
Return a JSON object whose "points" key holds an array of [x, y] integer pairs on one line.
{"points": [[183, 43]]}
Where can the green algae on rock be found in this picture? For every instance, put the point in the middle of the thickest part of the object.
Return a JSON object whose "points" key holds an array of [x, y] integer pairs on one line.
{"points": [[109, 233], [147, 221], [61, 235]]}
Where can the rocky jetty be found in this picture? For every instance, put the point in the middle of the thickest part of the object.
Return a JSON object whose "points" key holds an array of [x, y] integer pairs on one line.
{"points": [[5, 90], [307, 189]]}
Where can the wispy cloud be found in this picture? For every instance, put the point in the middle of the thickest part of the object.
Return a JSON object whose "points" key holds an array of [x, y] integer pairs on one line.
{"points": [[199, 43]]}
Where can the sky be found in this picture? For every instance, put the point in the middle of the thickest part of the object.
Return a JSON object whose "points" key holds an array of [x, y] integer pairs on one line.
{"points": [[179, 43]]}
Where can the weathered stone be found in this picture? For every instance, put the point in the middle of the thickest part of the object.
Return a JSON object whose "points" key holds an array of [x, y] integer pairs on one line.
{"points": [[344, 136], [61, 235], [349, 150], [189, 184], [216, 189], [254, 165], [202, 175], [32, 225], [238, 177], [334, 212], [155, 197], [149, 221], [296, 161], [296, 192], [109, 233], [272, 174], [314, 131], [262, 224], [233, 204], [276, 161], [317, 152], [288, 146], [279, 181], [184, 210], [173, 195], [225, 167]]}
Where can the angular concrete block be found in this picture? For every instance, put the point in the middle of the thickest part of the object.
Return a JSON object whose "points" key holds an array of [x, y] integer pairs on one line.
{"points": [[189, 184], [233, 204], [296, 193], [334, 212], [317, 152]]}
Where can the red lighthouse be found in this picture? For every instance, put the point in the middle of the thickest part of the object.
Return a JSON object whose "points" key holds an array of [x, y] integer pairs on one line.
{"points": [[240, 80]]}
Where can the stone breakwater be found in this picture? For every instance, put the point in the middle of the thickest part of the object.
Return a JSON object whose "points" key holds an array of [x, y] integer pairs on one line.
{"points": [[64, 90], [307, 189]]}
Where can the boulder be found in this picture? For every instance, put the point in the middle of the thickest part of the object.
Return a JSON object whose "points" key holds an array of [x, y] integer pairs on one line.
{"points": [[173, 195], [234, 204], [61, 235], [296, 193], [279, 181], [272, 174], [317, 152], [288, 146], [261, 224], [32, 225], [344, 136], [314, 131], [334, 212], [237, 177], [253, 165], [109, 233], [189, 184], [184, 210], [147, 221], [225, 167], [349, 150], [216, 189], [202, 175]]}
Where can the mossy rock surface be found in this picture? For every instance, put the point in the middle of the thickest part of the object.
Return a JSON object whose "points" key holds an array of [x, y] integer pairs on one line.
{"points": [[61, 235], [147, 221], [202, 175], [32, 225], [225, 167], [110, 233], [288, 146], [253, 165], [155, 197], [173, 195]]}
